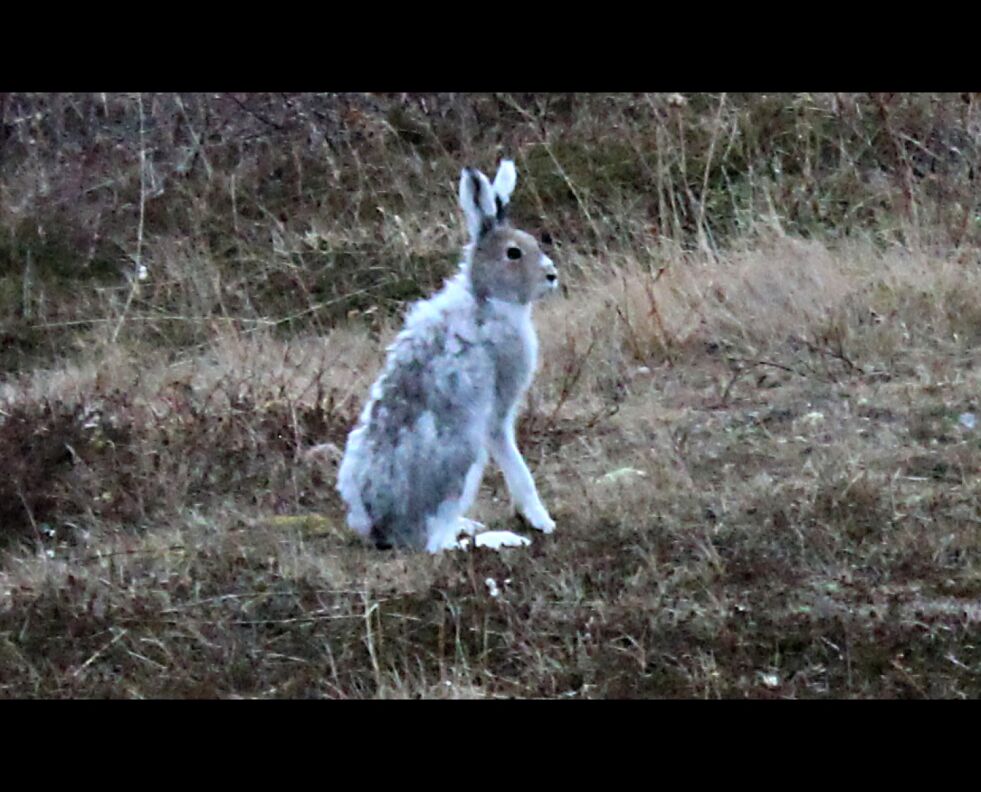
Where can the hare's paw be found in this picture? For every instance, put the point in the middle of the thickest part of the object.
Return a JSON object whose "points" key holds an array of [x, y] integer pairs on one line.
{"points": [[493, 540], [498, 539], [469, 527], [537, 517], [545, 524]]}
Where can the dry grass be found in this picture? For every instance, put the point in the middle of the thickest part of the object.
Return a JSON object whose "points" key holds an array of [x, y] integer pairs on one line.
{"points": [[752, 421], [293, 211], [795, 510]]}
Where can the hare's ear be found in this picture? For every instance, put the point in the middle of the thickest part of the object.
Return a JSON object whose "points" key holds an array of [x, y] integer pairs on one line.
{"points": [[504, 183], [477, 202]]}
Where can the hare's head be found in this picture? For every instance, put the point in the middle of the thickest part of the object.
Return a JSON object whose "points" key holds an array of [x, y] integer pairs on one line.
{"points": [[505, 263]]}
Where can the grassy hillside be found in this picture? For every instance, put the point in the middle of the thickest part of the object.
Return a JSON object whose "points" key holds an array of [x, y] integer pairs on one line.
{"points": [[754, 422]]}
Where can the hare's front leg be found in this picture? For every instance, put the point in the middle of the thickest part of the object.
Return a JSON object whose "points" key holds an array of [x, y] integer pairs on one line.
{"points": [[521, 486]]}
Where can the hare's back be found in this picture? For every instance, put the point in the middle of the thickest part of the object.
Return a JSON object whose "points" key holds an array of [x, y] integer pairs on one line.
{"points": [[433, 374], [424, 431]]}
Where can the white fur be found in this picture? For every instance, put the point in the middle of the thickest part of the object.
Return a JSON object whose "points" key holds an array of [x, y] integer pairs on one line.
{"points": [[495, 540], [505, 180], [450, 345], [476, 207]]}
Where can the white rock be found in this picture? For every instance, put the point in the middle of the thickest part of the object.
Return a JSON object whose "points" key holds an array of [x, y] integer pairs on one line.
{"points": [[621, 474]]}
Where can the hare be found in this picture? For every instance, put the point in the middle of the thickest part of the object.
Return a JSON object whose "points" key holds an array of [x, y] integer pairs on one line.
{"points": [[451, 389]]}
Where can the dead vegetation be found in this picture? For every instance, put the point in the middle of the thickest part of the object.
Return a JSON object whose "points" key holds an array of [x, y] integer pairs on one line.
{"points": [[762, 455]]}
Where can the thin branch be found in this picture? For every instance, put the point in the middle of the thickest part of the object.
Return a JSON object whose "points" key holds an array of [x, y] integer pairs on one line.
{"points": [[138, 269]]}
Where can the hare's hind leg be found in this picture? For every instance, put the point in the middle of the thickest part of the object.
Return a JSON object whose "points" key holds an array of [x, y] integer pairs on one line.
{"points": [[445, 527], [524, 494]]}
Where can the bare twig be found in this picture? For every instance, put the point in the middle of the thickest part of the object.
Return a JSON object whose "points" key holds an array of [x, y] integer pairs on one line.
{"points": [[702, 235], [30, 515], [138, 268], [568, 384], [750, 365], [255, 113], [99, 653], [839, 355]]}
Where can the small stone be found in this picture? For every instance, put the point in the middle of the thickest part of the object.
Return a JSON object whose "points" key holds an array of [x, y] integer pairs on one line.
{"points": [[620, 474]]}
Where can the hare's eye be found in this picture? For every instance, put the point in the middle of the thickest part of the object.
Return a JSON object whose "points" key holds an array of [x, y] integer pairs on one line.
{"points": [[514, 253]]}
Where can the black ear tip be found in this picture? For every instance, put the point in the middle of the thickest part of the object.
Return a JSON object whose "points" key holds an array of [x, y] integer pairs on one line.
{"points": [[501, 208], [475, 182]]}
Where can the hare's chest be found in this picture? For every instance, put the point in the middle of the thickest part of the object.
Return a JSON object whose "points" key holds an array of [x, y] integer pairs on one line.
{"points": [[515, 357]]}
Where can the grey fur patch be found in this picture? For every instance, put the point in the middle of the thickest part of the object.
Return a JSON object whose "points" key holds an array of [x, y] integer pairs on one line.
{"points": [[420, 436], [512, 371]]}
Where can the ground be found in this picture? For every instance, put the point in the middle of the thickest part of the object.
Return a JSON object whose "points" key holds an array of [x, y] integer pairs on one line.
{"points": [[799, 522], [754, 422]]}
